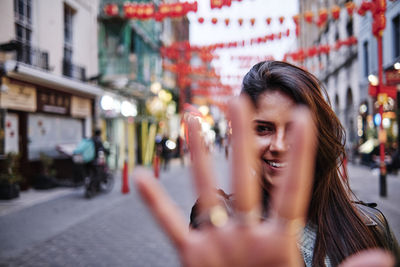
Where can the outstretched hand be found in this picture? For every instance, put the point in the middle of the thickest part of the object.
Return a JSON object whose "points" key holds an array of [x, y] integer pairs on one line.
{"points": [[244, 240]]}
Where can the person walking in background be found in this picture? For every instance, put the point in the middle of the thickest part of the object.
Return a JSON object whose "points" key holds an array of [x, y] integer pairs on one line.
{"points": [[165, 152], [291, 205]]}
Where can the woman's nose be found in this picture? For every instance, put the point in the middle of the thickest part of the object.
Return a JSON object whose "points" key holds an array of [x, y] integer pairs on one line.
{"points": [[278, 143]]}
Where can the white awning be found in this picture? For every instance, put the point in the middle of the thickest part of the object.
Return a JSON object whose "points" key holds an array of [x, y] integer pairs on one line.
{"points": [[24, 72]]}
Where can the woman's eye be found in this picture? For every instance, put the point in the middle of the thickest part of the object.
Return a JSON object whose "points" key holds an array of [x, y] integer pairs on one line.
{"points": [[263, 129]]}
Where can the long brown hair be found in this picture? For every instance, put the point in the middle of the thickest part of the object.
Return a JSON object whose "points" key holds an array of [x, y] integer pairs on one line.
{"points": [[340, 230]]}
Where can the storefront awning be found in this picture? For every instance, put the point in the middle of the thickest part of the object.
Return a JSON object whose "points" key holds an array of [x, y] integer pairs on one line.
{"points": [[21, 71]]}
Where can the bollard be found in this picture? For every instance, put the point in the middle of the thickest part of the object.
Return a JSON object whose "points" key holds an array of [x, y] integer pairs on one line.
{"points": [[125, 180], [156, 166]]}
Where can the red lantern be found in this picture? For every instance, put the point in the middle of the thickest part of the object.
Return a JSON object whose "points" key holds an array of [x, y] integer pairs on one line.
{"points": [[364, 7], [240, 21], [296, 19], [335, 11], [200, 20], [227, 21], [379, 24], [111, 9], [268, 20], [281, 19], [322, 17], [252, 21], [308, 16], [216, 3], [350, 6]]}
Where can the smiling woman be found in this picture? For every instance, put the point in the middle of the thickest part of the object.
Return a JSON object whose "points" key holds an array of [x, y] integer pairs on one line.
{"points": [[336, 227], [287, 149]]}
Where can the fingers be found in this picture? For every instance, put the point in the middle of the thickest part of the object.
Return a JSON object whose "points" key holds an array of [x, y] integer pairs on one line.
{"points": [[245, 182], [162, 207], [291, 198], [202, 169], [369, 258]]}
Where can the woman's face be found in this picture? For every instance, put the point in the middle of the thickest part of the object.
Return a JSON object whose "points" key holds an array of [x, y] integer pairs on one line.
{"points": [[271, 122]]}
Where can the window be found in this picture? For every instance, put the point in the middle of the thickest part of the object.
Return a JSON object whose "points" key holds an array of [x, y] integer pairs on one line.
{"points": [[23, 20], [349, 27], [366, 58], [396, 36], [68, 31]]}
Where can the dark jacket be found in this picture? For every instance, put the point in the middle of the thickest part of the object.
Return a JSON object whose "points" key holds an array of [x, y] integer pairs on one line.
{"points": [[371, 216]]}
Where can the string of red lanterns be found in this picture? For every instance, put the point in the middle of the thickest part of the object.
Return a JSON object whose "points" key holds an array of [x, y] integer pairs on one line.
{"points": [[304, 53], [145, 11]]}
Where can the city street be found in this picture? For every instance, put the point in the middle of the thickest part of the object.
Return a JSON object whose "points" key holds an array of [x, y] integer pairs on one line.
{"points": [[117, 230]]}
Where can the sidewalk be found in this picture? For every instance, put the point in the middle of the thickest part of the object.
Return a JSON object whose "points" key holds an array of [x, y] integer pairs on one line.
{"points": [[32, 197], [365, 184]]}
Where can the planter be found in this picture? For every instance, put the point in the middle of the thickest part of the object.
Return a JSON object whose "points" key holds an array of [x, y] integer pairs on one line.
{"points": [[9, 191]]}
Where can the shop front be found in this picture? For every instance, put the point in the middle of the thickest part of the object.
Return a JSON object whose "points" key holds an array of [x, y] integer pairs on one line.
{"points": [[39, 114]]}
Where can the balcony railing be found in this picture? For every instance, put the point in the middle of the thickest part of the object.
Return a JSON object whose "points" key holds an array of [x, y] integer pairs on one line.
{"points": [[27, 54], [73, 71]]}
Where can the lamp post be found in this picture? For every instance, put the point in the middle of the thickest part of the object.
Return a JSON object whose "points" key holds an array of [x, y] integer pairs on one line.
{"points": [[378, 26]]}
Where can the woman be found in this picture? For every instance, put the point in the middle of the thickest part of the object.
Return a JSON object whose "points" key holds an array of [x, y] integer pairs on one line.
{"points": [[287, 140]]}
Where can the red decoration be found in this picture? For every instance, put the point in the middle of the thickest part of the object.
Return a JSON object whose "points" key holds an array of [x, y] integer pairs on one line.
{"points": [[111, 9], [252, 21], [214, 20], [364, 7], [296, 19], [200, 20], [335, 11], [308, 16], [322, 17], [268, 20], [350, 6], [240, 21], [281, 19], [8, 124], [220, 3], [227, 21]]}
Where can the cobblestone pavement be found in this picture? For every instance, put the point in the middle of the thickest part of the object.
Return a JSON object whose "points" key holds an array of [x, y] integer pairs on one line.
{"points": [[117, 230]]}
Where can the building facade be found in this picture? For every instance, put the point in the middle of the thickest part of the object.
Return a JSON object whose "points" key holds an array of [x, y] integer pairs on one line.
{"points": [[48, 58]]}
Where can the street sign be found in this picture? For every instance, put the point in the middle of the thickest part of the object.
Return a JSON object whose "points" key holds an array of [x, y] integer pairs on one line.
{"points": [[392, 77], [391, 91]]}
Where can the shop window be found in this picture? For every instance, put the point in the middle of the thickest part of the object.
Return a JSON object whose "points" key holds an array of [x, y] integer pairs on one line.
{"points": [[396, 36]]}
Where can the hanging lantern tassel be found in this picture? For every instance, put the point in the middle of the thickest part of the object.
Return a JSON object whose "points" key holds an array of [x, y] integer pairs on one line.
{"points": [[240, 21], [281, 19], [252, 21], [268, 20]]}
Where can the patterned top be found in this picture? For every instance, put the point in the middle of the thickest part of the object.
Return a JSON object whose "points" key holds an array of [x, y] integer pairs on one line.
{"points": [[307, 243]]}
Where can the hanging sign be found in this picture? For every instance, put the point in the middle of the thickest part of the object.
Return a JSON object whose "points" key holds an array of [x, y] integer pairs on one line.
{"points": [[53, 101], [18, 96]]}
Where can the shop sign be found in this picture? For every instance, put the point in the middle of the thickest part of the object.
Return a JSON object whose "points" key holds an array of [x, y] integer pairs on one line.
{"points": [[18, 96], [80, 107], [392, 77], [53, 102]]}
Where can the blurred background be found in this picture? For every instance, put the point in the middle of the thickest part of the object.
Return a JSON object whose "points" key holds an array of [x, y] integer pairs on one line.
{"points": [[131, 69]]}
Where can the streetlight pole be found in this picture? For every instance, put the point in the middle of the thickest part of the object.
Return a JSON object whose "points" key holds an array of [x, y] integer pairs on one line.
{"points": [[379, 23], [382, 165]]}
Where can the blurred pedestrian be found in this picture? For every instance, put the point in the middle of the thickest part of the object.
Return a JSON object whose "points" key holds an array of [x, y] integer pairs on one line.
{"points": [[165, 152], [291, 140]]}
